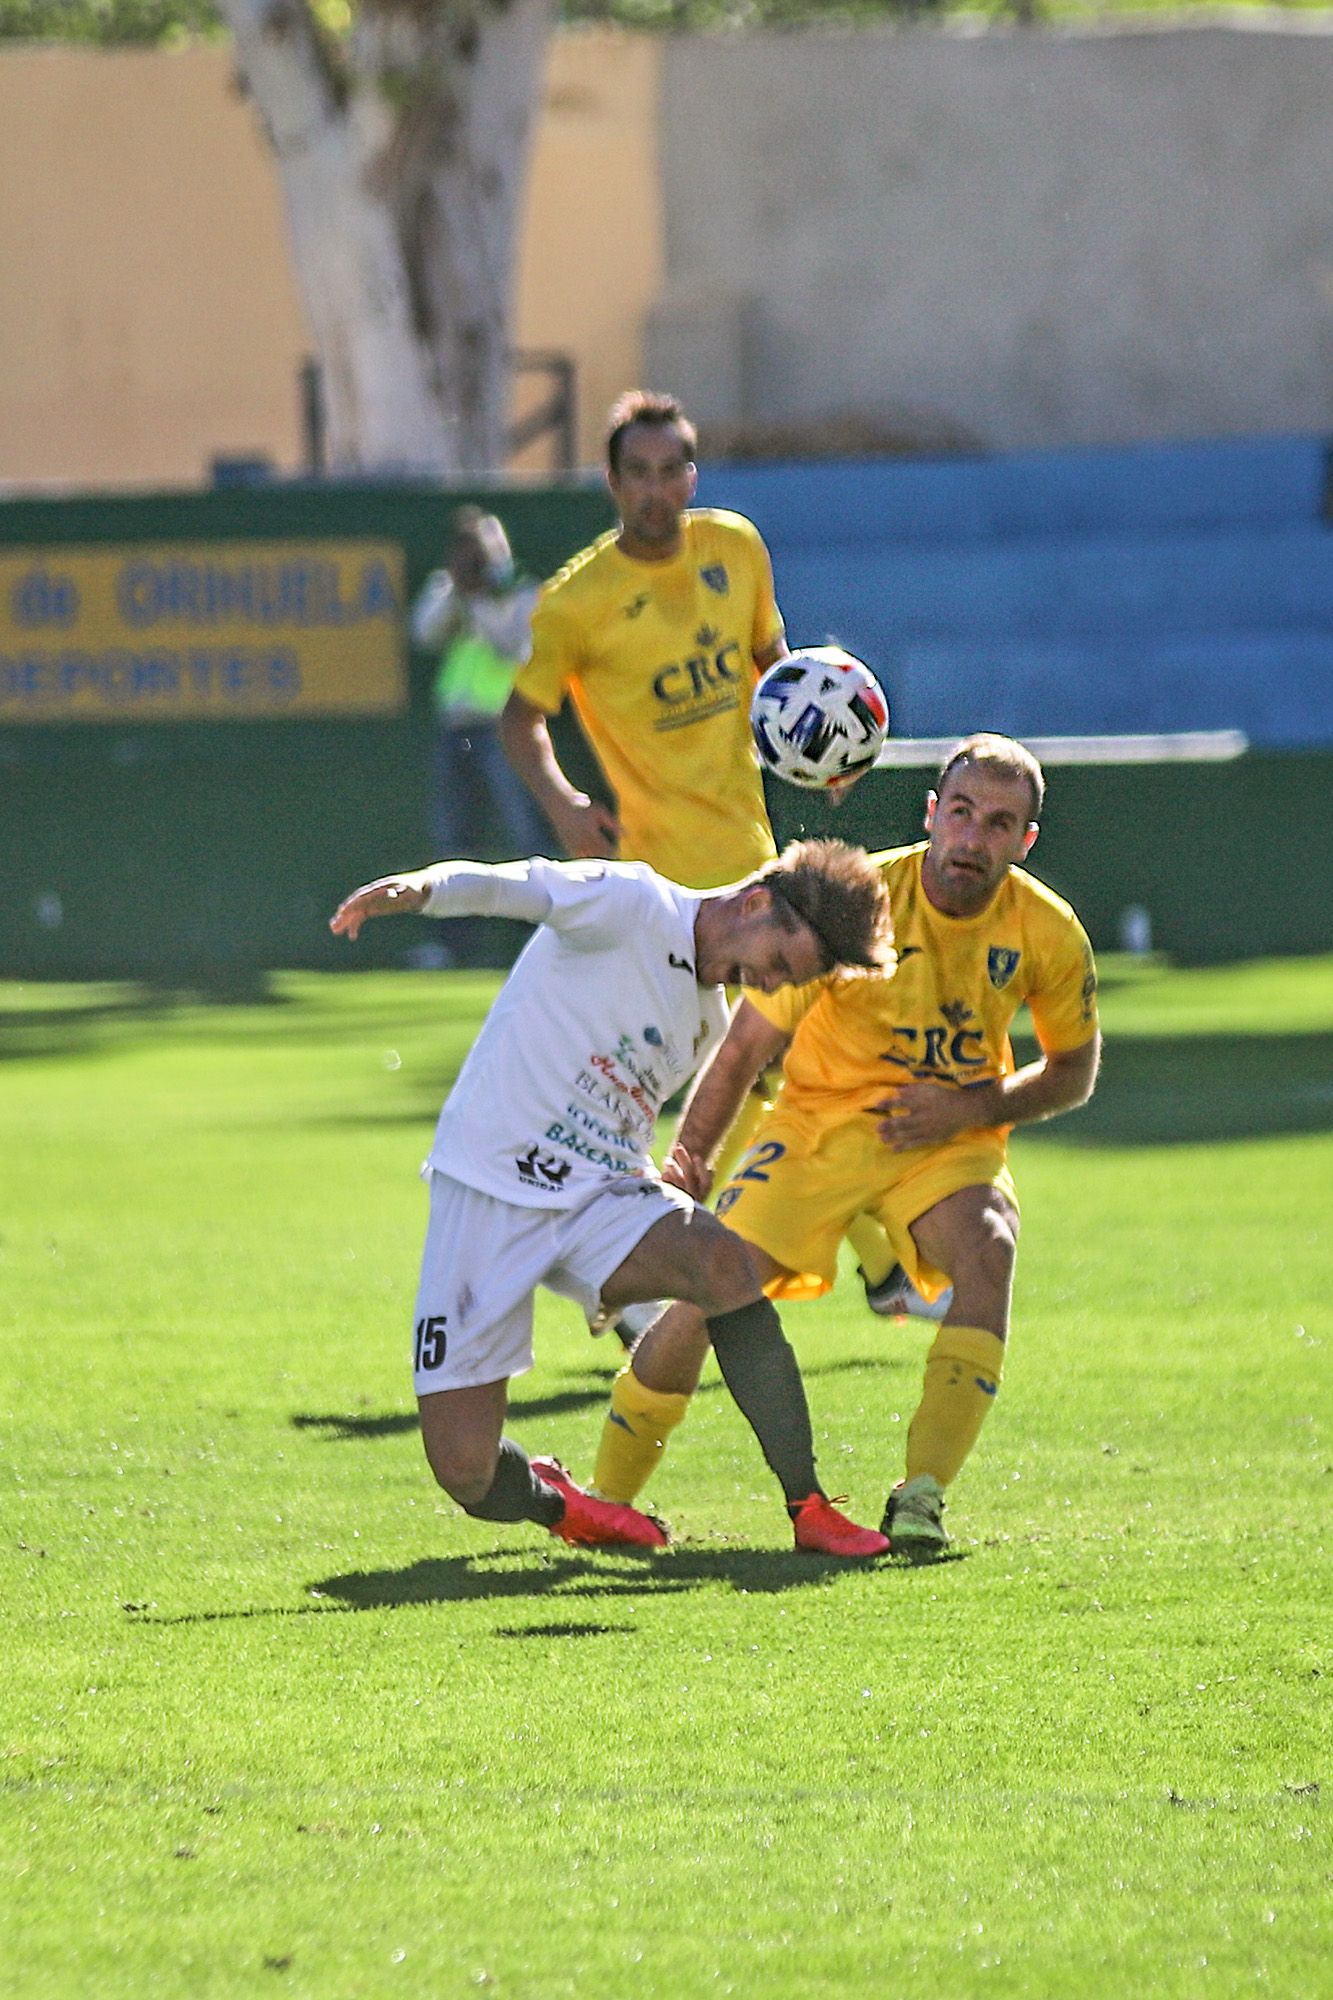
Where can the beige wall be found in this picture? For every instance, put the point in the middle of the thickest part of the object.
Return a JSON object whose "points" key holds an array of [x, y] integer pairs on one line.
{"points": [[148, 318]]}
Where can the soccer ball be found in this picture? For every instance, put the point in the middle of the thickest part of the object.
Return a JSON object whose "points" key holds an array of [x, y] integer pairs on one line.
{"points": [[819, 718]]}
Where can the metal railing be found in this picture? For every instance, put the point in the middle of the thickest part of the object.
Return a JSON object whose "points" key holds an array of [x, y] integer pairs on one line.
{"points": [[554, 416]]}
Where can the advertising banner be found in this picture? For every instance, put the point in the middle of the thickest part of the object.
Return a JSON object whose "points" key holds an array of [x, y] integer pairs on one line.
{"points": [[225, 631]]}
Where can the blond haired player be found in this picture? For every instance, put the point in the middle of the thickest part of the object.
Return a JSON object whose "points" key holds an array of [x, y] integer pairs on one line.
{"points": [[658, 632], [898, 1096]]}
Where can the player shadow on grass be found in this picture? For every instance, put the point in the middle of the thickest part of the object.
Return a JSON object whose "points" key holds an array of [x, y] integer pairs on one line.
{"points": [[575, 1578], [569, 1578], [347, 1426]]}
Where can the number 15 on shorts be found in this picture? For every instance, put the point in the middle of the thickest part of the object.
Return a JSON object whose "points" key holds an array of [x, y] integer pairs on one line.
{"points": [[430, 1344]]}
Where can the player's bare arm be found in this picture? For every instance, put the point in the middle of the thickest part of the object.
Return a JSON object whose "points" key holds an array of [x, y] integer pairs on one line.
{"points": [[585, 829], [750, 1044], [390, 896], [926, 1114]]}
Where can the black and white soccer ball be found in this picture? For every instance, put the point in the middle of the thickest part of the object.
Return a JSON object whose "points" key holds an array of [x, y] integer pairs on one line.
{"points": [[819, 718]]}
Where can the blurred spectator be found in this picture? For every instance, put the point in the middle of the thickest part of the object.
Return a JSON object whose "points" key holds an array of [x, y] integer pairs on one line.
{"points": [[475, 614]]}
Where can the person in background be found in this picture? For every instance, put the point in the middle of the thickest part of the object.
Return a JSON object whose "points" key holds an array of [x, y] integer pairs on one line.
{"points": [[475, 615]]}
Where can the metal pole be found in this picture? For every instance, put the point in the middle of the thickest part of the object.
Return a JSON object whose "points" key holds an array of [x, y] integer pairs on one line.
{"points": [[314, 430]]}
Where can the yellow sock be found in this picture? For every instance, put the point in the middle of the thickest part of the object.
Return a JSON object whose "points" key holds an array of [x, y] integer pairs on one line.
{"points": [[870, 1241], [962, 1381], [634, 1436], [738, 1138]]}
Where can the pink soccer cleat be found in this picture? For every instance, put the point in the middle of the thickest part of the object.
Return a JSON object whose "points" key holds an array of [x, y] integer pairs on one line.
{"points": [[822, 1530], [588, 1522]]}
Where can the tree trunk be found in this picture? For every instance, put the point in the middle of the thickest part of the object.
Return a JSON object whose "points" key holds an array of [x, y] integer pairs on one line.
{"points": [[403, 158]]}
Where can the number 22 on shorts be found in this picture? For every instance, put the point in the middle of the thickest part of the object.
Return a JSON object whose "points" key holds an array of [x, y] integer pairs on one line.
{"points": [[752, 1167]]}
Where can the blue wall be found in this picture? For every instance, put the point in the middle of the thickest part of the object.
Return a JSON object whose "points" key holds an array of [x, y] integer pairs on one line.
{"points": [[1155, 588]]}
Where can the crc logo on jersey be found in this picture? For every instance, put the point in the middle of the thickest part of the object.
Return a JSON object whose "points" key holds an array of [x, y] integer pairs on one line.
{"points": [[1001, 964], [931, 1052], [715, 576], [707, 681]]}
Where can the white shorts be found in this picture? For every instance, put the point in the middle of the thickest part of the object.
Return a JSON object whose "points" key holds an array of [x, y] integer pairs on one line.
{"points": [[484, 1258]]}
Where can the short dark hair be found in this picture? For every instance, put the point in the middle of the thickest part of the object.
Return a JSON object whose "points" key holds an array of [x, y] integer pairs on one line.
{"points": [[1001, 755], [838, 892], [645, 406]]}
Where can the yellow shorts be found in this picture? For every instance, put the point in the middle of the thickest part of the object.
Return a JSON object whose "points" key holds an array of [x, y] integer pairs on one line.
{"points": [[794, 1193]]}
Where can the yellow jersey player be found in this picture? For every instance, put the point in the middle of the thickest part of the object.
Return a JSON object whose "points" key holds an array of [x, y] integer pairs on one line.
{"points": [[658, 633], [899, 1092]]}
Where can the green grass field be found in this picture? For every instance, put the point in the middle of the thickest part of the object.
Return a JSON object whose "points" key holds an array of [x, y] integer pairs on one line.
{"points": [[276, 1718]]}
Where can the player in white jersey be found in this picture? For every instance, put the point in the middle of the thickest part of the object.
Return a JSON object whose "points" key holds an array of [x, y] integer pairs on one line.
{"points": [[611, 1006]]}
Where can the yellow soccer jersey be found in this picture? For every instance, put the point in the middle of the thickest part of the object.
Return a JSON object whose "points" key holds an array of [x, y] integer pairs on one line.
{"points": [[943, 1016], [658, 658]]}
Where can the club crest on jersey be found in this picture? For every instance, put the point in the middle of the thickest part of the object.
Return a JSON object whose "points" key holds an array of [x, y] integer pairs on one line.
{"points": [[1001, 964], [715, 576]]}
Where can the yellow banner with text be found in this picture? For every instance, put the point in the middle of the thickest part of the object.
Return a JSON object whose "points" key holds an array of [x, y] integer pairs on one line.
{"points": [[207, 631]]}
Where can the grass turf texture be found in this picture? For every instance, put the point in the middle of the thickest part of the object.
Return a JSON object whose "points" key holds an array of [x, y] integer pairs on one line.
{"points": [[275, 1717]]}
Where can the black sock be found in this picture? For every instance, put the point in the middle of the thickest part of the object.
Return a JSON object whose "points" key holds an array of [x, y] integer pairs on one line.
{"points": [[760, 1370], [516, 1493]]}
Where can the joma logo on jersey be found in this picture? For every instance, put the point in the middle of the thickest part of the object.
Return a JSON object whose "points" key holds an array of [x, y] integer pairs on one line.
{"points": [[701, 675]]}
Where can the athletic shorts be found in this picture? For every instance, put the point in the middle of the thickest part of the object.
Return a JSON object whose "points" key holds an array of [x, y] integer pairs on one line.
{"points": [[484, 1258], [795, 1192]]}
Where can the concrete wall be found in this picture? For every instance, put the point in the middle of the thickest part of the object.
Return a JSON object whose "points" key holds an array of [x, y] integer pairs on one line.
{"points": [[1004, 239], [149, 318], [1014, 238], [592, 260]]}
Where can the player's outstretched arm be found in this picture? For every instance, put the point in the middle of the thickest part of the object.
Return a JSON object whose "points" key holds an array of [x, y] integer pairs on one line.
{"points": [[390, 896], [585, 829], [750, 1044]]}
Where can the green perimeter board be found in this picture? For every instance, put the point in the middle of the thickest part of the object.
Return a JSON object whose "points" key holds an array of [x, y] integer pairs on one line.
{"points": [[204, 850], [1231, 860]]}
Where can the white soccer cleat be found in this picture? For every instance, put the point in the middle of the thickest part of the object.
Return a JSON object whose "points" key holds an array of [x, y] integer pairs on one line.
{"points": [[896, 1297]]}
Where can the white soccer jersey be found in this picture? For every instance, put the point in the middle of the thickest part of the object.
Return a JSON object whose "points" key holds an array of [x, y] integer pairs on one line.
{"points": [[601, 1019]]}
